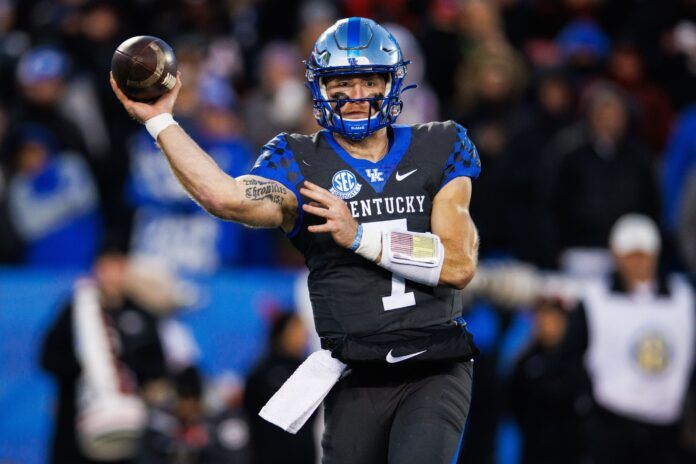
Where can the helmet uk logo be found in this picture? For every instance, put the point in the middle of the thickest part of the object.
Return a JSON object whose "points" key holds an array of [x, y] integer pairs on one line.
{"points": [[344, 185]]}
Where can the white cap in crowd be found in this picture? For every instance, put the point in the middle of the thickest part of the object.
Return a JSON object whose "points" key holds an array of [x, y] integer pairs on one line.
{"points": [[634, 232]]}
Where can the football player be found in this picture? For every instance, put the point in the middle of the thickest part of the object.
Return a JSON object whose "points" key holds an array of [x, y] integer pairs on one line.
{"points": [[381, 213]]}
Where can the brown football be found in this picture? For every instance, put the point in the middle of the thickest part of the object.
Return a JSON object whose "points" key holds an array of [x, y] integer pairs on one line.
{"points": [[144, 67]]}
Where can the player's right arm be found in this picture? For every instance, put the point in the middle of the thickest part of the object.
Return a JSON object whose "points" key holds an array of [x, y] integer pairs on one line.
{"points": [[251, 200]]}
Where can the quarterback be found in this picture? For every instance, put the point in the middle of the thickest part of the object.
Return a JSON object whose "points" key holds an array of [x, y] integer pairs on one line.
{"points": [[381, 213]]}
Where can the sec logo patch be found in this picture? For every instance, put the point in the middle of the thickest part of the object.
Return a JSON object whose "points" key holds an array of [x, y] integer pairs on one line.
{"points": [[344, 185]]}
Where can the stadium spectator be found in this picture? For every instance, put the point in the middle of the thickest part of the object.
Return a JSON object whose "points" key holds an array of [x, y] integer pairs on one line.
{"points": [[583, 48], [551, 110], [156, 287], [285, 351], [420, 104], [633, 333], [443, 48], [135, 344], [687, 225], [597, 173], [548, 409], [52, 200], [280, 103], [42, 75], [91, 38], [315, 17], [654, 111], [491, 87], [488, 87], [13, 42], [167, 225], [187, 434], [679, 161], [10, 243]]}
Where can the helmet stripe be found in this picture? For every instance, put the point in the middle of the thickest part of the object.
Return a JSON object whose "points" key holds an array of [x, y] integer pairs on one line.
{"points": [[353, 33]]}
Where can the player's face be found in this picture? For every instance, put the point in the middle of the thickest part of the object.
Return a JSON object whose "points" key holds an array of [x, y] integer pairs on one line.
{"points": [[359, 86]]}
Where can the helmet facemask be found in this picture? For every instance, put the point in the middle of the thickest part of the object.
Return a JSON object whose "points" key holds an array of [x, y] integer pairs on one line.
{"points": [[377, 108]]}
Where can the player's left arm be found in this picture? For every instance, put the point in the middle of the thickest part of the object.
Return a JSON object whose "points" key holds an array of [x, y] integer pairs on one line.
{"points": [[450, 220]]}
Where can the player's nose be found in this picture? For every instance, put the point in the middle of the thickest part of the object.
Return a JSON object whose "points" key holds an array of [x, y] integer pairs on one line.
{"points": [[357, 91]]}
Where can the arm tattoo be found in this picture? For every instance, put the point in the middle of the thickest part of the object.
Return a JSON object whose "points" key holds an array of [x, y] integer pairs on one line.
{"points": [[256, 190]]}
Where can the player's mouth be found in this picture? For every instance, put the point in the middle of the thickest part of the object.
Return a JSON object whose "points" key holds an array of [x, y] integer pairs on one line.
{"points": [[355, 114]]}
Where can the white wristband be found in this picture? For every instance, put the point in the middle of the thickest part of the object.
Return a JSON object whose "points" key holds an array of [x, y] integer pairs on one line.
{"points": [[370, 244], [158, 123]]}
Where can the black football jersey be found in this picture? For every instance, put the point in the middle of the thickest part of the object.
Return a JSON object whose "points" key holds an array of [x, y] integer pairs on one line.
{"points": [[349, 294]]}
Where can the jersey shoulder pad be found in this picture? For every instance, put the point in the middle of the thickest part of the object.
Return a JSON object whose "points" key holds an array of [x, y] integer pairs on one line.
{"points": [[463, 159], [277, 162]]}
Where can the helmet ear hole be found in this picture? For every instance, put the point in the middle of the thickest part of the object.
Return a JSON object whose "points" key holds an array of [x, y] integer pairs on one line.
{"points": [[395, 110]]}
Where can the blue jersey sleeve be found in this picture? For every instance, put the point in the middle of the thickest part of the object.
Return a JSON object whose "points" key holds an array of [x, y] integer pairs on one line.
{"points": [[463, 160], [277, 162]]}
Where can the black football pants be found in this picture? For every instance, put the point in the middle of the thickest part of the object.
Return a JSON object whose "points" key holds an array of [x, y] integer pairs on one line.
{"points": [[397, 414]]}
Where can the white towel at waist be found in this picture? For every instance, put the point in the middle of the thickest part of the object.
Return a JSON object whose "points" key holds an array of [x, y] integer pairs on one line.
{"points": [[303, 392]]}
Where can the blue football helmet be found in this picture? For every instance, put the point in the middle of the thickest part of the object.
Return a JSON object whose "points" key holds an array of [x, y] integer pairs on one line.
{"points": [[356, 46]]}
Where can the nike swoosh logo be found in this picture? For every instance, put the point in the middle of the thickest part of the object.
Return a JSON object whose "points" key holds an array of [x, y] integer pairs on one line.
{"points": [[400, 177], [395, 359]]}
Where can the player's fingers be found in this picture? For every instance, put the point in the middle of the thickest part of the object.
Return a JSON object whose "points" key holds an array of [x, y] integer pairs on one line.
{"points": [[316, 196], [321, 212], [315, 187], [320, 192], [168, 99], [178, 84], [321, 228], [114, 86]]}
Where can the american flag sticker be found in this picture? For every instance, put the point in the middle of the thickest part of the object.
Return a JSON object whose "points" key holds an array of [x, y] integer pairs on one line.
{"points": [[419, 248]]}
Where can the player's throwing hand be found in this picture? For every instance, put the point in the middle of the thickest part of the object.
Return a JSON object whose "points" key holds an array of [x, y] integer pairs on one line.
{"points": [[339, 222], [141, 112]]}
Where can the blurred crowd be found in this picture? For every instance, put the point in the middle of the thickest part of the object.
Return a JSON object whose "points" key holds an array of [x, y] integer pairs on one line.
{"points": [[582, 111]]}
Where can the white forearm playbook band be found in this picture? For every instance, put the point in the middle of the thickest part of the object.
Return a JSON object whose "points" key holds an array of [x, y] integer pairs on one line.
{"points": [[413, 255], [158, 123]]}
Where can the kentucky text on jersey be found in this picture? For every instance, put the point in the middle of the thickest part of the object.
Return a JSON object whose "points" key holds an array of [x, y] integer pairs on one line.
{"points": [[390, 205]]}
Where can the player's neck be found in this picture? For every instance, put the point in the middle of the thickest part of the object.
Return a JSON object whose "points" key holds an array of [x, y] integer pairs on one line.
{"points": [[371, 148]]}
